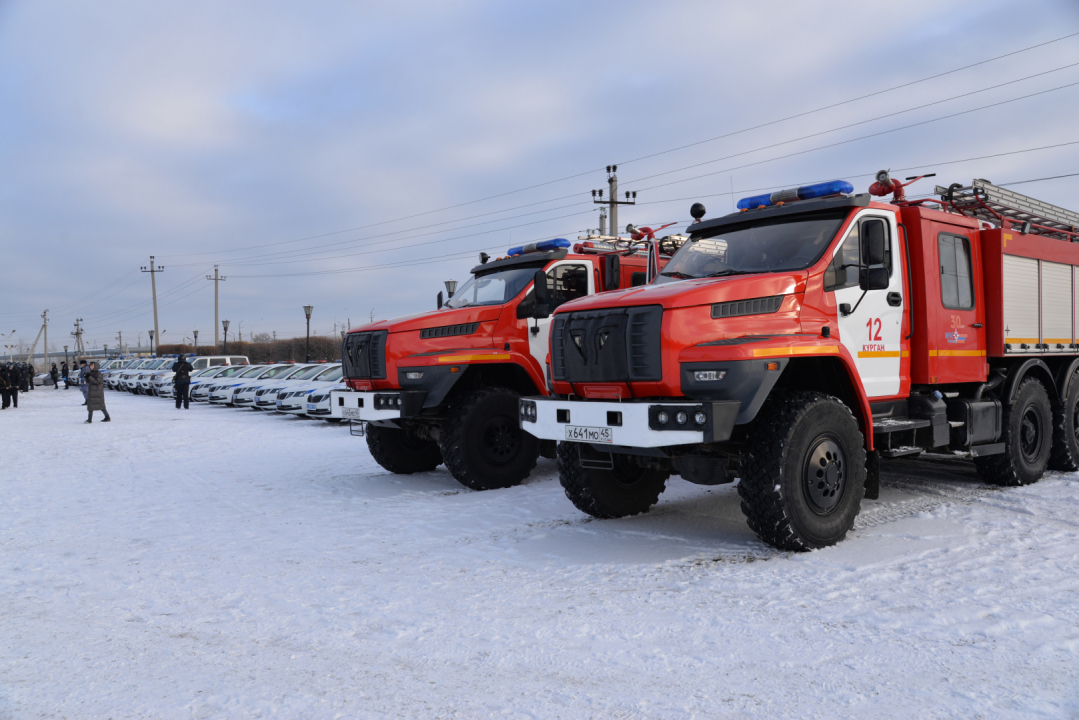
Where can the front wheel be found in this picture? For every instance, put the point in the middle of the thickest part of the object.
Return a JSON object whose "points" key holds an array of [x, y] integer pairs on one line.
{"points": [[803, 471], [401, 451], [627, 488], [482, 442]]}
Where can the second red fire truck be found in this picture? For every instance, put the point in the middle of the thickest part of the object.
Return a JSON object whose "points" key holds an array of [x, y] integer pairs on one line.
{"points": [[794, 344]]}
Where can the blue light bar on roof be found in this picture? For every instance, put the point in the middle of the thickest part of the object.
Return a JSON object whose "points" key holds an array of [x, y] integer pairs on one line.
{"points": [[542, 246], [806, 192]]}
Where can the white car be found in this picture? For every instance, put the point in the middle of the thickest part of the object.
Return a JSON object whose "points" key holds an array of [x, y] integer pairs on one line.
{"points": [[129, 377], [201, 392], [318, 402], [275, 376], [112, 374], [139, 384], [266, 397], [222, 392], [294, 399], [166, 388]]}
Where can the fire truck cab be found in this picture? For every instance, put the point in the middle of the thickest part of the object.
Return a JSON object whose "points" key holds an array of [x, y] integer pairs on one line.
{"points": [[442, 387], [795, 343]]}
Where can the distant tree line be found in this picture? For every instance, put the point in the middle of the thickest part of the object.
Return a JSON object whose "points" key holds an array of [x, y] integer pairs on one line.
{"points": [[322, 348]]}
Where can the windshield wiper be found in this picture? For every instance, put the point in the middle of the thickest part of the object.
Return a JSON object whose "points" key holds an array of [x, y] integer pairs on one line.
{"points": [[679, 275], [721, 273]]}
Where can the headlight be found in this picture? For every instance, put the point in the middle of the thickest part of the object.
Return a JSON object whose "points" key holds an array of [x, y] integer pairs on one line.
{"points": [[663, 418]]}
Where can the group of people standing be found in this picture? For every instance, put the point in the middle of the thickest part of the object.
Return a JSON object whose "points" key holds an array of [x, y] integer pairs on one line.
{"points": [[15, 378]]}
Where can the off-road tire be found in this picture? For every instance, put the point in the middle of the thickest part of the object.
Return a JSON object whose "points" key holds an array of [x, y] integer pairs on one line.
{"points": [[1064, 454], [483, 445], [1027, 436], [400, 451], [627, 489], [785, 502]]}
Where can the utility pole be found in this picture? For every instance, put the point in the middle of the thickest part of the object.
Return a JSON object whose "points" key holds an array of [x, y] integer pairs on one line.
{"points": [[216, 278], [372, 314], [153, 270], [120, 338], [45, 318], [602, 222], [80, 350], [613, 203]]}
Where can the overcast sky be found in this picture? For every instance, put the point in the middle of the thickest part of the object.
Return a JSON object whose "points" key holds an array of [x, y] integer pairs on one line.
{"points": [[354, 155]]}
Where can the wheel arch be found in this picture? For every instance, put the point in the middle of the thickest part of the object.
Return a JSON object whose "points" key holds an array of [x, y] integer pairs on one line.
{"points": [[834, 376], [507, 375], [1065, 375], [1031, 367]]}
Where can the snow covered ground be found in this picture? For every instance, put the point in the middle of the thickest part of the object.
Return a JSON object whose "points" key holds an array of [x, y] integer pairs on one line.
{"points": [[221, 563]]}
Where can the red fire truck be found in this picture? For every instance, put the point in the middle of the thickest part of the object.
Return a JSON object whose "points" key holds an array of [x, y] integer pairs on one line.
{"points": [[443, 386], [795, 343]]}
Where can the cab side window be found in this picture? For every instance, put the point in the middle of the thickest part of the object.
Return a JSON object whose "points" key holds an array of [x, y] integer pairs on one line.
{"points": [[843, 272], [956, 281], [564, 283]]}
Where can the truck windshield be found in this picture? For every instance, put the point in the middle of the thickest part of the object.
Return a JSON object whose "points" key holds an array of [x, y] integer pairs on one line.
{"points": [[766, 245], [493, 289]]}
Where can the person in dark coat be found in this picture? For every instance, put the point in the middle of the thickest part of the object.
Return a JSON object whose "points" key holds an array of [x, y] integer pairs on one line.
{"points": [[55, 375], [30, 375], [22, 377], [95, 395], [5, 387], [182, 380], [64, 373], [11, 397]]}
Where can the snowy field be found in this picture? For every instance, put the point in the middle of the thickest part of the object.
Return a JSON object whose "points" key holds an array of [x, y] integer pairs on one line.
{"points": [[221, 563]]}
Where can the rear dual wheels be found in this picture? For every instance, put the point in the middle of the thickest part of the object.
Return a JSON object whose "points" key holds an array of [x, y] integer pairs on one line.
{"points": [[1064, 454], [803, 471], [1027, 434]]}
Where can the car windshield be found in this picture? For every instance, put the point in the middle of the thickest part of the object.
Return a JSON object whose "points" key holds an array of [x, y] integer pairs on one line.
{"points": [[331, 375], [251, 371], [162, 363], [760, 246], [200, 373], [308, 373], [214, 371], [274, 371], [493, 289], [292, 372], [232, 370]]}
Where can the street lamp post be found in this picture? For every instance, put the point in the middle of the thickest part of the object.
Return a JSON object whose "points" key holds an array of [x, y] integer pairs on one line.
{"points": [[451, 287], [225, 325], [151, 343], [307, 311], [196, 334]]}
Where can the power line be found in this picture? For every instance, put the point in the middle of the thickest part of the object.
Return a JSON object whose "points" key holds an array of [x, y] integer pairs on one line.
{"points": [[663, 152]]}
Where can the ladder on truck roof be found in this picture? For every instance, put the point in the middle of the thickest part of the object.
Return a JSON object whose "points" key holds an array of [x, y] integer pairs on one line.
{"points": [[986, 201]]}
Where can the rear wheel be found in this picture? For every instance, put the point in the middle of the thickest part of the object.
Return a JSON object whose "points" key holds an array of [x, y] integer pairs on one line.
{"points": [[1027, 436], [803, 471], [482, 443], [401, 451], [628, 488], [1064, 454]]}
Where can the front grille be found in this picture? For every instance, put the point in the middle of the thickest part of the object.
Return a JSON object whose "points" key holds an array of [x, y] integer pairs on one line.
{"points": [[753, 306], [449, 330], [364, 355], [609, 345]]}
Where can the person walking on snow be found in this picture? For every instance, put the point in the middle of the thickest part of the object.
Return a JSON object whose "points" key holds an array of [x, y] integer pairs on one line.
{"points": [[55, 375], [30, 375], [182, 380], [64, 373], [6, 388], [84, 370], [95, 396]]}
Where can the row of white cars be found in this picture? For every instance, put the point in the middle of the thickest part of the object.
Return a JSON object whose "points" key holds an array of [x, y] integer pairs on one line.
{"points": [[294, 388]]}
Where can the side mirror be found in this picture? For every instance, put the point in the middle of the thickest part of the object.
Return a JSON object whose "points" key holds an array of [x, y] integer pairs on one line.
{"points": [[539, 288], [541, 311], [612, 268], [873, 242], [439, 299], [874, 279]]}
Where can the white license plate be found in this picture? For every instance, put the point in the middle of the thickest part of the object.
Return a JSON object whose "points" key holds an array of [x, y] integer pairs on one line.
{"points": [[353, 413], [581, 433]]}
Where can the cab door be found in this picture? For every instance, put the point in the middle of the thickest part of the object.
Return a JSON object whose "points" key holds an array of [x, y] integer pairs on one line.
{"points": [[566, 280], [870, 321]]}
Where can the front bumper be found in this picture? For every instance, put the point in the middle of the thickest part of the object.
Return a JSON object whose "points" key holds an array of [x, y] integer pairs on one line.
{"points": [[375, 406], [631, 424]]}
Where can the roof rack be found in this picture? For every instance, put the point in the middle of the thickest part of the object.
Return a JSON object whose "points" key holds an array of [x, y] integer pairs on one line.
{"points": [[986, 201]]}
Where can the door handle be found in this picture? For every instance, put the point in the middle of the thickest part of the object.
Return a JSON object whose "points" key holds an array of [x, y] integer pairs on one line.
{"points": [[895, 299]]}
